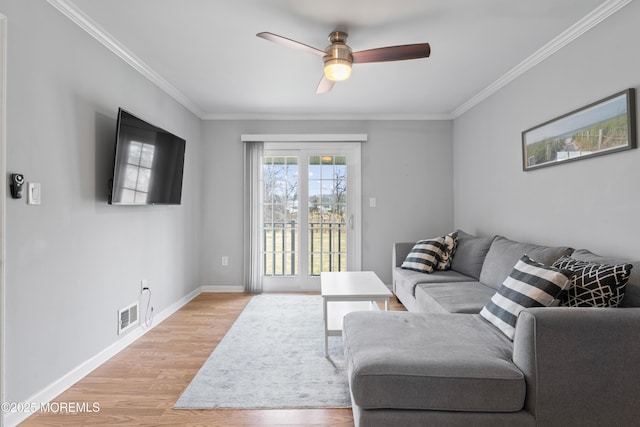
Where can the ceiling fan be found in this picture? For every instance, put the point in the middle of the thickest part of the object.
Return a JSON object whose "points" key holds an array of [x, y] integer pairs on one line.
{"points": [[338, 57]]}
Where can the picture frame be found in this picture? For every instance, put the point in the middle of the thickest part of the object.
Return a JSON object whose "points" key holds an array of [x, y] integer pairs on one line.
{"points": [[603, 127]]}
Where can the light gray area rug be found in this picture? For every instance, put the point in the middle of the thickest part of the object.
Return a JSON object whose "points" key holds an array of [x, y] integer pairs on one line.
{"points": [[273, 358]]}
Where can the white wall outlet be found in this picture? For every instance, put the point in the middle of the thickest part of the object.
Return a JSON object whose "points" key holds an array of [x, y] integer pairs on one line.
{"points": [[372, 202], [225, 261], [143, 284]]}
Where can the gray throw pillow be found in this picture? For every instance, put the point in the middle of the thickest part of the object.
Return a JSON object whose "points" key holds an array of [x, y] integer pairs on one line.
{"points": [[504, 253], [470, 253]]}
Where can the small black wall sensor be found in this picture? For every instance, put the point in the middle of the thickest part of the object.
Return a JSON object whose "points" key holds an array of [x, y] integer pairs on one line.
{"points": [[16, 183]]}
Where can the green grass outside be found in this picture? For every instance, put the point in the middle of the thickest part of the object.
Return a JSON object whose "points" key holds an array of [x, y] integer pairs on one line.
{"points": [[280, 241]]}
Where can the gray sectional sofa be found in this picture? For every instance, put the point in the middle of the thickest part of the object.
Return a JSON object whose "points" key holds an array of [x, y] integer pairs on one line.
{"points": [[443, 364]]}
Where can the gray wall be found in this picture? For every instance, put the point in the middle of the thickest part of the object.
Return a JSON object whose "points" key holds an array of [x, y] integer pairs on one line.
{"points": [[406, 165], [74, 260], [591, 203]]}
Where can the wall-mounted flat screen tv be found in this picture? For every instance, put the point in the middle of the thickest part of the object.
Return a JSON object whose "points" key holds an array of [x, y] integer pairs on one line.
{"points": [[149, 164]]}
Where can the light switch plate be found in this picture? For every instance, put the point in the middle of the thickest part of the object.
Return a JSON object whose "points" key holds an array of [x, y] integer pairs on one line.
{"points": [[34, 194]]}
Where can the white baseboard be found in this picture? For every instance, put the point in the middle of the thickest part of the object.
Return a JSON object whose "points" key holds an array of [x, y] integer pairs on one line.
{"points": [[50, 392], [222, 288]]}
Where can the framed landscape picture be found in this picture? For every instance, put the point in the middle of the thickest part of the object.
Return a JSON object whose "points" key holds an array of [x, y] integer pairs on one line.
{"points": [[604, 127]]}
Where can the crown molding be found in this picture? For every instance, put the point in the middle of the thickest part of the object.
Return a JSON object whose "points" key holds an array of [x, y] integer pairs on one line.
{"points": [[304, 137], [332, 117], [596, 16], [599, 14], [71, 11]]}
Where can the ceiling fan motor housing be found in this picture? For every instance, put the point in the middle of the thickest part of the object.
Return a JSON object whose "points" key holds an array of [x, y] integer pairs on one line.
{"points": [[338, 58]]}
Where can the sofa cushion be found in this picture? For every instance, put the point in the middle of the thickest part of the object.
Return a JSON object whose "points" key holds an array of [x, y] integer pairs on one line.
{"points": [[530, 284], [409, 279], [470, 254], [405, 282], [593, 284], [632, 290], [430, 362], [504, 254], [425, 255], [456, 297]]}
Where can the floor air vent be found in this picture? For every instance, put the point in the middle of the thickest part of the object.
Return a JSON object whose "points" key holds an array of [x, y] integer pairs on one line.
{"points": [[127, 317]]}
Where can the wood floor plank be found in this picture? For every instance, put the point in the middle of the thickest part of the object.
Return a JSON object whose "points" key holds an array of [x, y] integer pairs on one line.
{"points": [[139, 386]]}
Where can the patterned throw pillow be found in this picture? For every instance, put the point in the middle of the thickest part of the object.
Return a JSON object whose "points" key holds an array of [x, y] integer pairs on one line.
{"points": [[530, 284], [450, 245], [594, 285], [425, 255]]}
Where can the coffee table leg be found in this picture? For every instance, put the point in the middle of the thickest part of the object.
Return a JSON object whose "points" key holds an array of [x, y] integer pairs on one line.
{"points": [[326, 327]]}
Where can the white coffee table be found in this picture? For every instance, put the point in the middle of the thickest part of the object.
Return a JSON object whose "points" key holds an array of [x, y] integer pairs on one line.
{"points": [[347, 291]]}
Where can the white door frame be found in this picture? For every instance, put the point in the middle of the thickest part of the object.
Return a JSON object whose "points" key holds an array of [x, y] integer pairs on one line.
{"points": [[324, 138], [3, 194]]}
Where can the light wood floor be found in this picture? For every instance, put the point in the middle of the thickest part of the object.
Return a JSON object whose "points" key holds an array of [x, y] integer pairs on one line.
{"points": [[139, 386]]}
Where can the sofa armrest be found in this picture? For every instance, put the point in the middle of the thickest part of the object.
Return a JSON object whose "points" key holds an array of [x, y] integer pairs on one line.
{"points": [[580, 364], [400, 251]]}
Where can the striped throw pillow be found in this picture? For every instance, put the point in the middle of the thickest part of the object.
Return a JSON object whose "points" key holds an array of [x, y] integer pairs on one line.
{"points": [[450, 246], [425, 255], [530, 284]]}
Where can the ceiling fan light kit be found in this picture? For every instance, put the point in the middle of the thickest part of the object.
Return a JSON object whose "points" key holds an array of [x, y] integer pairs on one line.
{"points": [[337, 69], [338, 57]]}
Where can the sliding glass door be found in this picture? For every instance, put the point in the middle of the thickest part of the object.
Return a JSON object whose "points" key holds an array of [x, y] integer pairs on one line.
{"points": [[311, 213]]}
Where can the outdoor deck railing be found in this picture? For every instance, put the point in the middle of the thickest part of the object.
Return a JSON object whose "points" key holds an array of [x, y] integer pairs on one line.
{"points": [[327, 247]]}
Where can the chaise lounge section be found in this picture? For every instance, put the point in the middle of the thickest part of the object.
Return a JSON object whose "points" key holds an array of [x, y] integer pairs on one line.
{"points": [[444, 364]]}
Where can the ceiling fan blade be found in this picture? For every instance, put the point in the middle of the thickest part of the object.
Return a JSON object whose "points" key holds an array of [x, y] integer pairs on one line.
{"points": [[325, 85], [290, 43], [393, 53]]}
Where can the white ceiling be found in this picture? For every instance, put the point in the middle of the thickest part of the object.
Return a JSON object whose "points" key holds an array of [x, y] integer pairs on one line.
{"points": [[205, 52]]}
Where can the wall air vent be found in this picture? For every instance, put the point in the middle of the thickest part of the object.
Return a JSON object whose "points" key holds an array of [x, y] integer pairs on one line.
{"points": [[127, 317]]}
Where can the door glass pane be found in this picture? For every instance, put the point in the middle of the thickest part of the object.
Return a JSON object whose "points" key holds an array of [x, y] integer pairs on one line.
{"points": [[327, 214], [280, 215]]}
